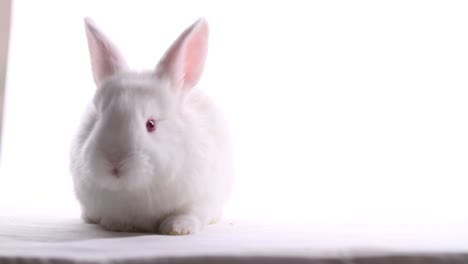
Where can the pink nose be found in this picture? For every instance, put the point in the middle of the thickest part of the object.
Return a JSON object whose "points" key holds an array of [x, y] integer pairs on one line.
{"points": [[115, 164]]}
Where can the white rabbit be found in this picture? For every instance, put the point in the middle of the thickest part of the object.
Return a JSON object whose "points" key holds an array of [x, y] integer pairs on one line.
{"points": [[153, 153]]}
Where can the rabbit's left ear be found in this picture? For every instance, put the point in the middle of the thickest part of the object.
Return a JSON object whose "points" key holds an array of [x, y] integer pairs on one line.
{"points": [[184, 61], [106, 59]]}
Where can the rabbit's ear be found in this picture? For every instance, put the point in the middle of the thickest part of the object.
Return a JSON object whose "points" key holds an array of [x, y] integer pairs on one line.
{"points": [[106, 60], [184, 61]]}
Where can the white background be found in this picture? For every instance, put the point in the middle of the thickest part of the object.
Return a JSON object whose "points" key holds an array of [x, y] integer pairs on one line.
{"points": [[351, 114]]}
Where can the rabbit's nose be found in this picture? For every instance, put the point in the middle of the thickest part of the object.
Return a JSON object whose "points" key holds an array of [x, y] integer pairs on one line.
{"points": [[116, 163]]}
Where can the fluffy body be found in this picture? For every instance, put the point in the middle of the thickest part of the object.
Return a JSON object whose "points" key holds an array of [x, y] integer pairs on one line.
{"points": [[172, 181]]}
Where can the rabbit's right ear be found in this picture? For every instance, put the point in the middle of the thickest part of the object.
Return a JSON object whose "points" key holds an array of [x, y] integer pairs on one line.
{"points": [[106, 60]]}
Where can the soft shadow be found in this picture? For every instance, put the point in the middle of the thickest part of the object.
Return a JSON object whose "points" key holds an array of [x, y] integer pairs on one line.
{"points": [[60, 230]]}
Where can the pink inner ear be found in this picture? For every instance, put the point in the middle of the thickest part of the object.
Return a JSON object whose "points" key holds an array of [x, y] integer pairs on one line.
{"points": [[105, 58], [101, 59], [195, 54], [184, 61]]}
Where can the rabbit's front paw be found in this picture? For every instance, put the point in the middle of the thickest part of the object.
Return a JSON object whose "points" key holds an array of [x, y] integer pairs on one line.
{"points": [[180, 225]]}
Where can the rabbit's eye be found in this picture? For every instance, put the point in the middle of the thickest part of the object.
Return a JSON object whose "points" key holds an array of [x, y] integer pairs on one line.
{"points": [[151, 125]]}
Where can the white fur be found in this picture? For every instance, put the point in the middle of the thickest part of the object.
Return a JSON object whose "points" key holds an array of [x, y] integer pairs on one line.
{"points": [[172, 181]]}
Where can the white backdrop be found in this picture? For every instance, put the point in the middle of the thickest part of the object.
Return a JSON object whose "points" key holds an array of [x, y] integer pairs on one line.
{"points": [[345, 113]]}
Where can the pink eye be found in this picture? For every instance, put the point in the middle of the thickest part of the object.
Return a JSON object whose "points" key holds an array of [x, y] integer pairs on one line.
{"points": [[151, 125]]}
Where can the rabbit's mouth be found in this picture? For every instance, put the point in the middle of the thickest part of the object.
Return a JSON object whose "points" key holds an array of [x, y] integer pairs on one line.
{"points": [[122, 179], [122, 173], [116, 168], [115, 172]]}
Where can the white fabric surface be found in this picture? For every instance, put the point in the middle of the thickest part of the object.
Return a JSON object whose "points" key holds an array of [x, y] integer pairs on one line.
{"points": [[68, 240]]}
